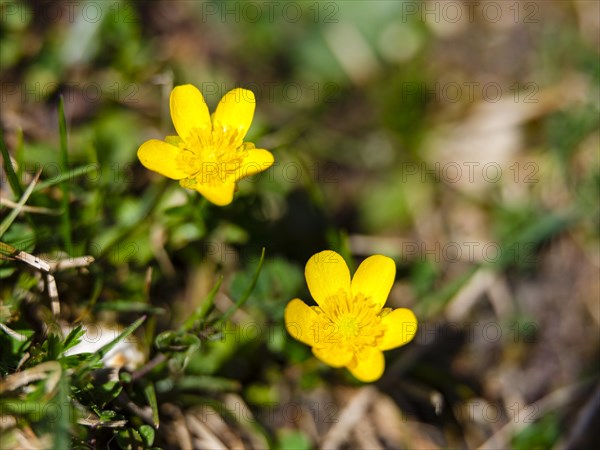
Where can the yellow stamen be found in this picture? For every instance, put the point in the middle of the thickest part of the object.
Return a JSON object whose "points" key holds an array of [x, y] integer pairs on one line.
{"points": [[211, 156], [352, 322]]}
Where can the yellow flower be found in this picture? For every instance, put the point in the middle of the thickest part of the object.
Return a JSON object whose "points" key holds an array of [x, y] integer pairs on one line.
{"points": [[349, 327], [209, 154]]}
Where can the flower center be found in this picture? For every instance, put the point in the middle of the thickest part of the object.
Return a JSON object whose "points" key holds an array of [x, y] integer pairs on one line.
{"points": [[348, 326], [211, 156], [351, 321]]}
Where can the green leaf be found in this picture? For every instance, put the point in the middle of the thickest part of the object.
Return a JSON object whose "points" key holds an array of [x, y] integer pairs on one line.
{"points": [[73, 338], [293, 440], [107, 415], [129, 439], [54, 347], [150, 394], [542, 434], [147, 434], [262, 394], [176, 342], [107, 392]]}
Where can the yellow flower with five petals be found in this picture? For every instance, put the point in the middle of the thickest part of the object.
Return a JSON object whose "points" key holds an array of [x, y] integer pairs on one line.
{"points": [[349, 327], [209, 153]]}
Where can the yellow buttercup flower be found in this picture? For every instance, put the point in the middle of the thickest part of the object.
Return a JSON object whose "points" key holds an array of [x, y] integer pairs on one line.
{"points": [[349, 327], [209, 154]]}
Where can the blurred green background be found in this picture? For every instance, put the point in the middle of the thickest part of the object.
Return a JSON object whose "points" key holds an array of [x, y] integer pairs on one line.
{"points": [[459, 138]]}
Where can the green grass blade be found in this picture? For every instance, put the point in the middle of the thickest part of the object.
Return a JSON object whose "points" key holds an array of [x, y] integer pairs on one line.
{"points": [[244, 297], [66, 176], [149, 203], [101, 353], [7, 249], [126, 333], [62, 432], [9, 169], [7, 222], [65, 225], [150, 394], [204, 309], [20, 153], [73, 338], [129, 306], [207, 383]]}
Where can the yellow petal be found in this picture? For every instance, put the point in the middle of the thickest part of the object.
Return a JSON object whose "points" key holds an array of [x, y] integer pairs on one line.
{"points": [[160, 157], [173, 140], [401, 327], [256, 161], [299, 321], [368, 365], [188, 110], [334, 355], [374, 278], [326, 273], [235, 111], [220, 195]]}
